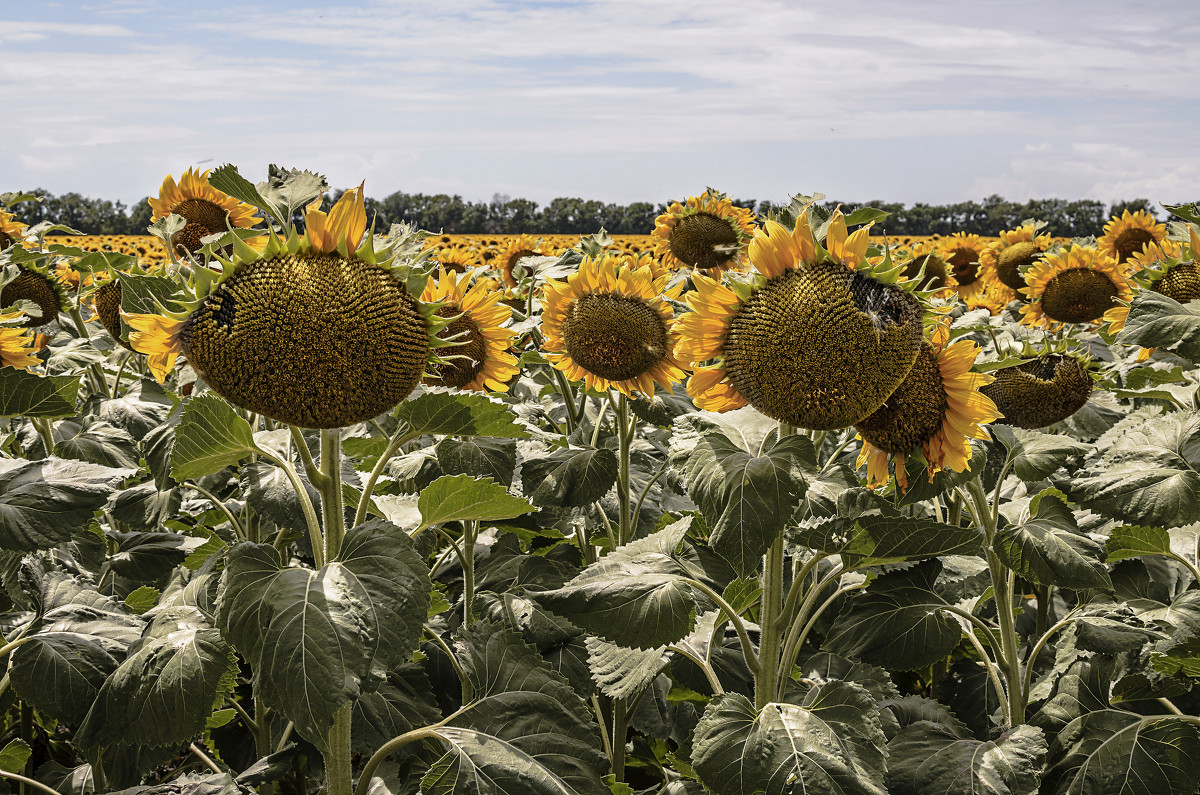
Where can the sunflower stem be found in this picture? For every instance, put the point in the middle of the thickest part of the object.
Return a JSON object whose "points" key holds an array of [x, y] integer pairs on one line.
{"points": [[116, 387], [470, 531], [625, 525], [564, 389], [620, 716], [332, 509], [315, 537], [768, 643], [338, 769], [45, 429], [403, 435]]}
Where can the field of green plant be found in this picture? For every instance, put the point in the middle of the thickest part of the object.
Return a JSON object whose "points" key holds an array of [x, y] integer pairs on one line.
{"points": [[291, 503]]}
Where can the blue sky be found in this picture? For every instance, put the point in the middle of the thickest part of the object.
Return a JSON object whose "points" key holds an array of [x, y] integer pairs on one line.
{"points": [[618, 100]]}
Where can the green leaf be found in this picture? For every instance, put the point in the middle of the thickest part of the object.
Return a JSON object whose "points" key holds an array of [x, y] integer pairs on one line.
{"points": [[1035, 455], [44, 503], [96, 441], [1179, 655], [142, 599], [875, 539], [27, 395], [145, 507], [927, 758], [227, 179], [481, 457], [1156, 321], [570, 477], [634, 596], [14, 756], [150, 556], [163, 692], [405, 701], [210, 437], [622, 672], [921, 489], [747, 498], [1049, 549], [455, 498], [313, 637], [1110, 752], [291, 189], [269, 491], [783, 749], [459, 414], [898, 622], [1188, 212]]}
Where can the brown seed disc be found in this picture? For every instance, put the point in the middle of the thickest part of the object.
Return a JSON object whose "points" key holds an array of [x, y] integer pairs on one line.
{"points": [[1011, 261], [458, 372], [1181, 282], [614, 336], [935, 271], [914, 412], [822, 347], [108, 309], [1039, 393], [695, 237], [33, 286], [964, 263], [1080, 295], [1130, 242], [315, 340]]}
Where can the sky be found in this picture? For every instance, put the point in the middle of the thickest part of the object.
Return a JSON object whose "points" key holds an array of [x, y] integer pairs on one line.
{"points": [[616, 100]]}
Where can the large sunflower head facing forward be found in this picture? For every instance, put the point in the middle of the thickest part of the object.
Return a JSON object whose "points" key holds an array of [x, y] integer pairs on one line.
{"points": [[1007, 259], [961, 253], [318, 330], [1128, 234], [1040, 392], [10, 230], [479, 359], [609, 326], [35, 283], [706, 232], [516, 249], [1075, 285], [810, 341], [206, 210], [938, 409]]}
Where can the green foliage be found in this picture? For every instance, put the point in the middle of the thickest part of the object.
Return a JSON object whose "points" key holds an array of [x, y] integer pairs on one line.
{"points": [[210, 437]]}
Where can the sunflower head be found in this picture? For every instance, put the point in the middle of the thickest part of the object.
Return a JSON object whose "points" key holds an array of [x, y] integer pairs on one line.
{"points": [[17, 346], [206, 210], [35, 283], [1040, 392], [706, 232], [938, 408], [10, 230], [1075, 285], [609, 326], [962, 252], [107, 299], [455, 260], [516, 249], [318, 330], [810, 342], [479, 358], [1007, 259], [1128, 234]]}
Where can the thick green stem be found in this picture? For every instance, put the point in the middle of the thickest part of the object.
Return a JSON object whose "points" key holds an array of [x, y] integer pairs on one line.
{"points": [[470, 530], [734, 618], [620, 730], [332, 509], [45, 429], [338, 773], [768, 644], [625, 525]]}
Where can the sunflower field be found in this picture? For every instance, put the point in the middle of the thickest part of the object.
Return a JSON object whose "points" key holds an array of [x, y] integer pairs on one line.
{"points": [[292, 504]]}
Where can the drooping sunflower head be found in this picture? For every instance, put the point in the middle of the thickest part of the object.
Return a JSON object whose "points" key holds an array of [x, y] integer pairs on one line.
{"points": [[811, 342], [1075, 285], [516, 249], [319, 330], [609, 326], [479, 359], [35, 283], [962, 252], [927, 263], [1040, 392], [938, 408], [206, 210], [107, 300], [1128, 234], [1008, 258], [10, 230], [706, 232]]}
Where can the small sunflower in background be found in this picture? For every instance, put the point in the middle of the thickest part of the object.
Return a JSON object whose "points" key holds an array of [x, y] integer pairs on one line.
{"points": [[994, 297], [938, 409], [1006, 260], [17, 347], [207, 210], [1127, 235], [456, 260], [316, 330], [515, 250], [1043, 391], [808, 340], [1075, 285], [928, 257], [608, 326], [10, 230], [34, 282], [706, 232], [479, 360], [961, 253]]}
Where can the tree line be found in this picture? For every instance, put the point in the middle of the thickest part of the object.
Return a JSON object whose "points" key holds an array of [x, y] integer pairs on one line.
{"points": [[568, 215]]}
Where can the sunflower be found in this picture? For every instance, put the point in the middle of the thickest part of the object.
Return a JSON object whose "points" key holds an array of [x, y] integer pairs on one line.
{"points": [[962, 252], [809, 341], [316, 330], [706, 232], [517, 249], [936, 272], [938, 408], [1129, 234], [16, 346], [1040, 392], [457, 260], [10, 230], [609, 326], [34, 283], [1006, 260], [207, 210], [1076, 285], [480, 360]]}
